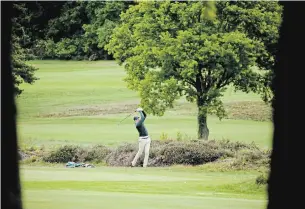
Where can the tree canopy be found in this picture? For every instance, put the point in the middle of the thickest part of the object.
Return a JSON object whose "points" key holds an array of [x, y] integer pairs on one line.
{"points": [[21, 71]]}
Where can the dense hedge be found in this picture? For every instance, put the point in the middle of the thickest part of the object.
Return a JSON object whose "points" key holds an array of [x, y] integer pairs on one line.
{"points": [[162, 153]]}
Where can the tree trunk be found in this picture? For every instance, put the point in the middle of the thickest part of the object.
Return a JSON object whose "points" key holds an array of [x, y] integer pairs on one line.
{"points": [[10, 185], [203, 131]]}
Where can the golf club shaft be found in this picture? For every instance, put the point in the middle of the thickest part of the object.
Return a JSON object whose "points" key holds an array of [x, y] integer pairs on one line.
{"points": [[125, 118]]}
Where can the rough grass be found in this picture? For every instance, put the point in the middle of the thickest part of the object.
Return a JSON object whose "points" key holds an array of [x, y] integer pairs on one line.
{"points": [[249, 110], [92, 111], [237, 110]]}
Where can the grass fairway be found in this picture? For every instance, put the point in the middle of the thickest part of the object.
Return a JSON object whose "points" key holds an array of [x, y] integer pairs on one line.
{"points": [[137, 188], [82, 102]]}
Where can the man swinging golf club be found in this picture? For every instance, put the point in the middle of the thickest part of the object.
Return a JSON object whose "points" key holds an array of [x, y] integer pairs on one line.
{"points": [[144, 139]]}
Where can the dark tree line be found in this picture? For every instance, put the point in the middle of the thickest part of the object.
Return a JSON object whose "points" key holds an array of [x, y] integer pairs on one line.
{"points": [[67, 30]]}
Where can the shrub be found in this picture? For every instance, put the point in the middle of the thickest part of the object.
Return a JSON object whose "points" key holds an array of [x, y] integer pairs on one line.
{"points": [[32, 159], [188, 154], [164, 136], [122, 156], [22, 155], [97, 153], [235, 146], [252, 156], [93, 57], [262, 179], [44, 49], [179, 136], [63, 154]]}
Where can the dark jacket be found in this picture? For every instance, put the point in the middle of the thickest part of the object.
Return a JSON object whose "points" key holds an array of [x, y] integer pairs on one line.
{"points": [[140, 125]]}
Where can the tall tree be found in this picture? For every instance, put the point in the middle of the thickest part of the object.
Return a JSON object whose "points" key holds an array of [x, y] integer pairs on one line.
{"points": [[79, 30], [67, 30], [21, 71], [32, 18], [171, 49], [104, 17]]}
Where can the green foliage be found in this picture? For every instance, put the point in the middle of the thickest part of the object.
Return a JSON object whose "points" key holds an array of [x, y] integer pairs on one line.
{"points": [[74, 153], [261, 21], [63, 154], [21, 71], [63, 35], [262, 179], [78, 29], [65, 48], [69, 23], [179, 136], [22, 21], [170, 49], [164, 136], [45, 49], [97, 154], [188, 154], [31, 22]]}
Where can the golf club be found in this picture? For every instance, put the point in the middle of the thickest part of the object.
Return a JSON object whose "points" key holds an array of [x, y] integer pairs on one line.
{"points": [[124, 118]]}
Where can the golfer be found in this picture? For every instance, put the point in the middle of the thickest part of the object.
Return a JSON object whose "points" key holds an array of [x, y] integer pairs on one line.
{"points": [[144, 139]]}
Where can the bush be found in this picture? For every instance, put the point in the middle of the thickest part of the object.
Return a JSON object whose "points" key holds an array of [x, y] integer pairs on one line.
{"points": [[44, 49], [97, 154], [164, 136], [188, 154], [262, 179], [236, 146], [93, 57], [22, 155], [32, 159], [63, 154], [122, 156], [27, 150], [181, 137]]}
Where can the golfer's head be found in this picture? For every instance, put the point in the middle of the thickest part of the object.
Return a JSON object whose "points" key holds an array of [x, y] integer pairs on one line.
{"points": [[135, 119]]}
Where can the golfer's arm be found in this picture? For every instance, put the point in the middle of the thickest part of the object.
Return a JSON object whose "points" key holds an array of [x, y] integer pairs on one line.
{"points": [[144, 114], [142, 118]]}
